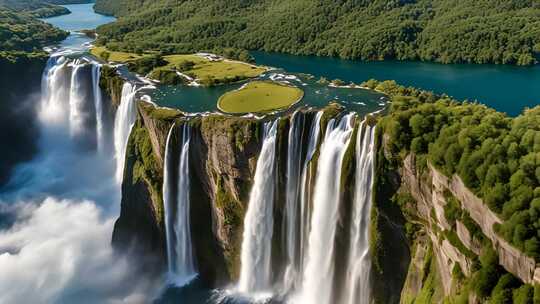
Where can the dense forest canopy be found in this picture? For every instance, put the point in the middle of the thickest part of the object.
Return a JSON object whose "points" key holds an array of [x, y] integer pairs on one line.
{"points": [[485, 31], [22, 32], [40, 8], [496, 156]]}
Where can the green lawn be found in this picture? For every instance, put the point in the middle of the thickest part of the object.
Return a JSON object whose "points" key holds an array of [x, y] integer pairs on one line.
{"points": [[120, 57], [214, 72], [260, 96]]}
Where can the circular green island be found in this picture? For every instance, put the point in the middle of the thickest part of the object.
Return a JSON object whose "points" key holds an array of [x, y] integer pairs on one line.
{"points": [[260, 96]]}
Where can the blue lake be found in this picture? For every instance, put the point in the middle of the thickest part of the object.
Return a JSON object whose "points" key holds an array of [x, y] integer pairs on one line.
{"points": [[506, 88]]}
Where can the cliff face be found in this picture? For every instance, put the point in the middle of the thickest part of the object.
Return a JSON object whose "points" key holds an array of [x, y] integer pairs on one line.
{"points": [[416, 248], [20, 80], [223, 156], [223, 153], [429, 194]]}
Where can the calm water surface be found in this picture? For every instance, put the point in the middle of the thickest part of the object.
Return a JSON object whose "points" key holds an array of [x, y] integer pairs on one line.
{"points": [[82, 17], [506, 88]]}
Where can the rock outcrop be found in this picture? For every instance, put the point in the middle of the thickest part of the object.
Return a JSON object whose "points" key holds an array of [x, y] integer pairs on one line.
{"points": [[427, 189]]}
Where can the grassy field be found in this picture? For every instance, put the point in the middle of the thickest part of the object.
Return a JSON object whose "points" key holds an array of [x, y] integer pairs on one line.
{"points": [[120, 57], [203, 70], [260, 96], [213, 72]]}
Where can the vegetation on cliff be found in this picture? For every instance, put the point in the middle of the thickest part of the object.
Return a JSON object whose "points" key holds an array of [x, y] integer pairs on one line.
{"points": [[496, 156], [433, 30]]}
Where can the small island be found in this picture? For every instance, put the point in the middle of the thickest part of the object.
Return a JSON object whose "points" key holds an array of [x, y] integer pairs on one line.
{"points": [[260, 96]]}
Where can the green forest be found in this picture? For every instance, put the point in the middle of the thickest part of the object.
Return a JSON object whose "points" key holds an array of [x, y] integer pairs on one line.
{"points": [[467, 31], [40, 8], [496, 156], [22, 32]]}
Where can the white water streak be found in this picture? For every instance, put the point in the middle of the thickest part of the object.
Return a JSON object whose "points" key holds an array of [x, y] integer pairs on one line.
{"points": [[77, 115], [317, 285], [290, 220], [180, 258], [98, 104], [359, 265], [123, 122], [255, 272], [305, 196]]}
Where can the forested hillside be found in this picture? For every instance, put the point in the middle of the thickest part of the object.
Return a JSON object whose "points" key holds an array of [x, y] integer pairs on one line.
{"points": [[497, 157], [21, 32], [40, 8], [486, 31]]}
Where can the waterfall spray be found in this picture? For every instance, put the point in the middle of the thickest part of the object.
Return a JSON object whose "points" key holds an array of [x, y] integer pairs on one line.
{"points": [[359, 264], [319, 270], [255, 272], [123, 122]]}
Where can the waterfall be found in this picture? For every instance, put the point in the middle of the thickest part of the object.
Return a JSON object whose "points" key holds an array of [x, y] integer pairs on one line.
{"points": [[290, 219], [72, 100], [318, 276], [295, 216], [255, 272], [359, 264], [77, 115], [126, 114], [176, 200], [305, 188], [55, 85], [98, 103]]}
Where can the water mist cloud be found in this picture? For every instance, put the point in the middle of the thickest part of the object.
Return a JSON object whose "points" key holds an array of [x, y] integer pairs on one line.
{"points": [[59, 251]]}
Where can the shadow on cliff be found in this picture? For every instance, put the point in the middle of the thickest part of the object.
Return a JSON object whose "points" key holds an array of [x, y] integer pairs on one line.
{"points": [[20, 94]]}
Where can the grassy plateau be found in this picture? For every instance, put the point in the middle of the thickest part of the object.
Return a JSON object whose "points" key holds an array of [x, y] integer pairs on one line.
{"points": [[260, 96]]}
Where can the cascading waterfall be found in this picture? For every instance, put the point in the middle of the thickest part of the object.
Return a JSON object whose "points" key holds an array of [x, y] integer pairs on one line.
{"points": [[98, 103], [290, 219], [176, 196], [295, 217], [255, 271], [123, 122], [77, 115], [71, 99], [305, 187], [55, 85], [318, 276], [359, 264]]}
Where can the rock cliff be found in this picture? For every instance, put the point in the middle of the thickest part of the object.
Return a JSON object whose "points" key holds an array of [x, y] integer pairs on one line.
{"points": [[20, 79], [223, 156]]}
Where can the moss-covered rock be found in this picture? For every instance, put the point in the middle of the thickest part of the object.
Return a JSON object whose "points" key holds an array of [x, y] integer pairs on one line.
{"points": [[140, 229], [111, 84]]}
